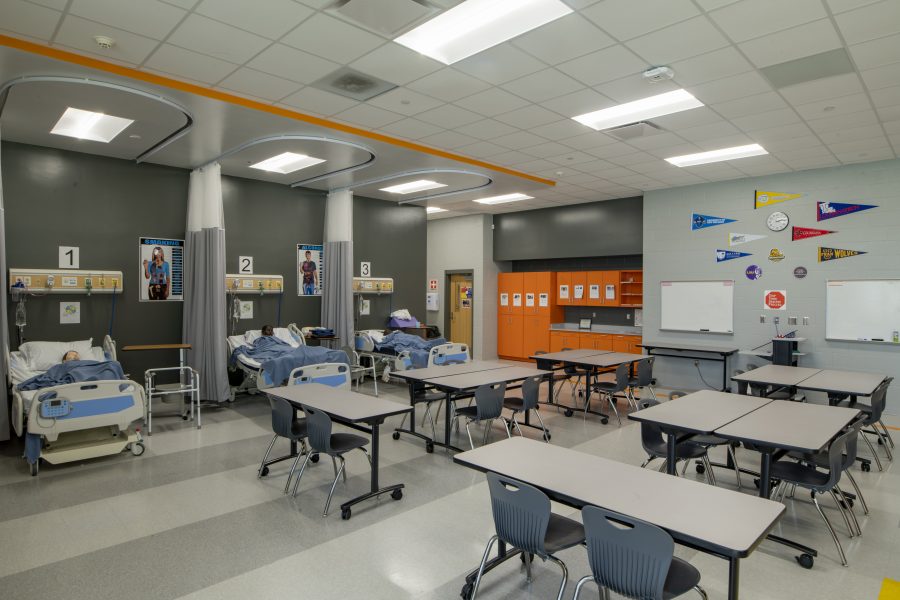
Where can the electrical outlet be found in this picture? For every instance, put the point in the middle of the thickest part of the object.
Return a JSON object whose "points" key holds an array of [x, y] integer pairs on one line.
{"points": [[593, 315], [762, 318], [776, 320], [806, 320], [628, 317], [792, 320]]}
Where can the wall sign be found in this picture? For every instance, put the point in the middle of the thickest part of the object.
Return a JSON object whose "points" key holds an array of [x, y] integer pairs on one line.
{"points": [[723, 255], [365, 269], [699, 221], [162, 267], [246, 309], [310, 269], [775, 300], [543, 299], [563, 292], [517, 299], [776, 255], [69, 313], [826, 254], [802, 233], [68, 257], [800, 272], [830, 210], [529, 299], [245, 265], [753, 272], [594, 291], [504, 299], [579, 292]]}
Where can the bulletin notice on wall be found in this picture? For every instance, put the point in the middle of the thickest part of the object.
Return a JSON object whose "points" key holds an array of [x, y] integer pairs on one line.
{"points": [[162, 268]]}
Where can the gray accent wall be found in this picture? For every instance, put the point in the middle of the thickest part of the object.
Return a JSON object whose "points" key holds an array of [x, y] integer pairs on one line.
{"points": [[673, 252], [608, 228], [393, 238], [102, 205], [267, 221]]}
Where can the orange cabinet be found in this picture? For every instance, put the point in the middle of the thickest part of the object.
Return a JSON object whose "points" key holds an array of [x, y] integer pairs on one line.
{"points": [[536, 334], [510, 335], [539, 289], [561, 340], [611, 288], [564, 289], [510, 289], [579, 288], [596, 341], [627, 343], [594, 288], [632, 288]]}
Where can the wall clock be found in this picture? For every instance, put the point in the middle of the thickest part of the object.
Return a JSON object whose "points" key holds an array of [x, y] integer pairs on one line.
{"points": [[777, 221]]}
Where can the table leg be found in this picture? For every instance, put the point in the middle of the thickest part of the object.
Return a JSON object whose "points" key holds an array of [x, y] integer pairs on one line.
{"points": [[765, 467], [724, 373], [670, 452], [733, 578], [396, 490], [429, 443], [447, 417]]}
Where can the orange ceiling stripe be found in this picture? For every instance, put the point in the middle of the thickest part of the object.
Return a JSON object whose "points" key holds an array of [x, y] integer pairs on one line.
{"points": [[199, 90]]}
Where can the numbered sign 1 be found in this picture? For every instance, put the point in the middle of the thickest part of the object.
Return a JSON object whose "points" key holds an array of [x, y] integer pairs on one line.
{"points": [[68, 257], [365, 269], [245, 265]]}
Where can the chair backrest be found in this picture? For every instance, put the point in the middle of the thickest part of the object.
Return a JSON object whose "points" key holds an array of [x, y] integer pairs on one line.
{"points": [[489, 401], [331, 374], [282, 416], [628, 556], [878, 401], [623, 372], [836, 457], [645, 372], [318, 429], [651, 435], [521, 513], [530, 393], [850, 449]]}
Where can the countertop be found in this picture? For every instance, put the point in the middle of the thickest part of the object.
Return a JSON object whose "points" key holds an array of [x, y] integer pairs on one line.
{"points": [[613, 329]]}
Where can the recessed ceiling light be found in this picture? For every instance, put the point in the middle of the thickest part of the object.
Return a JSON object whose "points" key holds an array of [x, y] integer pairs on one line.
{"points": [[420, 185], [287, 162], [87, 125], [434, 209], [702, 158], [476, 25], [645, 108], [504, 198]]}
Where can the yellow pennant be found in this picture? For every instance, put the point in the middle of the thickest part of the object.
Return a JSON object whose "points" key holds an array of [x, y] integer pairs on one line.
{"points": [[890, 590], [764, 199]]}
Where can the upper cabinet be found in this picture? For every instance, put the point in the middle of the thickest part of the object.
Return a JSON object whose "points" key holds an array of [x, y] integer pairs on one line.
{"points": [[631, 285], [511, 291]]}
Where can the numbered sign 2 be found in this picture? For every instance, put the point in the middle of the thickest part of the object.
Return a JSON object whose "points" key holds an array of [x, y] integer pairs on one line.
{"points": [[245, 265], [365, 269], [68, 257]]}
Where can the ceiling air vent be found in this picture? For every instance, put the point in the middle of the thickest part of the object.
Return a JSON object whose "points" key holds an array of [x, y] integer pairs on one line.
{"points": [[388, 17], [352, 84], [809, 68], [634, 130]]}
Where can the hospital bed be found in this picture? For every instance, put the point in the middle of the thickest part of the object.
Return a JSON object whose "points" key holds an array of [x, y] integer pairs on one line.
{"points": [[443, 354], [76, 421]]}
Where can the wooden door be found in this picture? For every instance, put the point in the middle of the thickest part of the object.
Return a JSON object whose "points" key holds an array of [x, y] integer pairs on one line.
{"points": [[535, 285], [536, 334], [621, 343], [461, 307], [602, 341]]}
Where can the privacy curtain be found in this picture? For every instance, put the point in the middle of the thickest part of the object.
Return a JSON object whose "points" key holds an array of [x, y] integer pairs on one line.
{"points": [[337, 293], [204, 320], [4, 322]]}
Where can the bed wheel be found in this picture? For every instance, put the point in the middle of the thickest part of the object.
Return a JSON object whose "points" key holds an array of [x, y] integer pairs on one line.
{"points": [[137, 448], [314, 458], [396, 435], [34, 468]]}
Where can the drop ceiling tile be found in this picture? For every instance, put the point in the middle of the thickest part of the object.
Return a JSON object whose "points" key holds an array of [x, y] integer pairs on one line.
{"points": [[482, 150], [595, 166], [865, 155], [78, 33], [397, 64], [770, 134], [892, 127], [543, 85], [857, 119], [678, 42], [694, 117], [590, 140], [634, 87], [318, 101], [411, 129], [259, 84], [660, 140], [738, 139], [547, 149], [500, 64], [840, 106], [886, 96], [404, 101], [448, 85], [528, 117], [290, 63], [634, 161], [606, 151], [710, 66], [331, 38], [512, 157], [856, 146], [572, 158], [730, 88], [802, 164], [839, 6], [486, 129], [492, 102], [268, 18], [145, 17], [882, 77], [818, 151], [876, 53], [708, 132], [772, 118], [852, 134], [448, 140], [818, 36], [604, 65], [622, 21], [536, 165], [218, 40], [559, 130], [578, 103], [317, 4], [519, 140], [750, 19], [449, 116], [676, 150], [830, 87], [889, 113], [563, 39], [181, 62], [59, 5], [24, 18], [750, 105], [870, 22], [709, 5]]}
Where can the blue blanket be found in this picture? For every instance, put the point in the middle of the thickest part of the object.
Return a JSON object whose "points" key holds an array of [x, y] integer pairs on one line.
{"points": [[278, 358], [397, 342], [75, 371]]}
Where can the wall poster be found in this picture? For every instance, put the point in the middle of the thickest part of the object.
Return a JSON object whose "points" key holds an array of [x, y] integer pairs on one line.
{"points": [[310, 269], [162, 268]]}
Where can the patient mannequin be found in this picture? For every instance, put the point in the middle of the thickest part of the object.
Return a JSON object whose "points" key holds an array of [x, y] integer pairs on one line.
{"points": [[71, 355], [267, 330]]}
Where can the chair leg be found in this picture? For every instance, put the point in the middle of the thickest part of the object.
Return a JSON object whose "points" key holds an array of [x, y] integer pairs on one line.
{"points": [[834, 536], [652, 392], [506, 427], [737, 468], [486, 426], [565, 575], [664, 467], [300, 474], [333, 485], [701, 591], [837, 501], [872, 450], [856, 489], [543, 427], [484, 558], [887, 432], [469, 433], [580, 585], [683, 466], [528, 558], [375, 381], [612, 404], [884, 443], [516, 425], [710, 476], [649, 460], [287, 484], [266, 457], [849, 508]]}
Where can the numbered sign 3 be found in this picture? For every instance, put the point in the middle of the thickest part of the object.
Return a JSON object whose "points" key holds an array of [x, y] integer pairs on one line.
{"points": [[365, 269]]}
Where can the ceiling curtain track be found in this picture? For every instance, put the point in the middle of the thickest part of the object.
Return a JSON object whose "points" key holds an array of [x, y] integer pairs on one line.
{"points": [[392, 176]]}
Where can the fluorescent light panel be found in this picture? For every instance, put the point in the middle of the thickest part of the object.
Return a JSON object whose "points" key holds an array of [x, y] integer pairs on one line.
{"points": [[476, 25], [702, 158], [87, 125], [503, 199], [434, 209], [639, 110], [420, 185], [287, 162]]}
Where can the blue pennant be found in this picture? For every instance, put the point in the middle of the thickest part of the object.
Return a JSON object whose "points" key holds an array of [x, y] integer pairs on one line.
{"points": [[723, 255], [703, 221]]}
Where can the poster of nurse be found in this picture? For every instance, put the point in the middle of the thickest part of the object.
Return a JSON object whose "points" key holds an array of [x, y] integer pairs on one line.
{"points": [[310, 269], [162, 270]]}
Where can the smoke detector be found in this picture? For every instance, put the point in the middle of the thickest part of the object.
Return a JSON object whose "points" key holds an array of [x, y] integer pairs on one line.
{"points": [[104, 41], [657, 74]]}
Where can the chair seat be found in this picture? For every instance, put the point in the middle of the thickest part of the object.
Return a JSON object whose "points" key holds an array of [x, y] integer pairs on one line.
{"points": [[298, 429], [514, 403], [562, 533], [606, 386], [428, 397], [682, 451], [802, 475], [344, 442], [467, 411], [708, 440], [681, 578], [780, 395]]}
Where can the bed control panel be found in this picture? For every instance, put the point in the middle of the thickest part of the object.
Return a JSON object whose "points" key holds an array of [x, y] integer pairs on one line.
{"points": [[254, 284], [55, 408], [373, 285], [66, 281]]}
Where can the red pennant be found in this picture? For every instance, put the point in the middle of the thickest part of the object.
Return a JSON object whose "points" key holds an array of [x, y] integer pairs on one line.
{"points": [[802, 233]]}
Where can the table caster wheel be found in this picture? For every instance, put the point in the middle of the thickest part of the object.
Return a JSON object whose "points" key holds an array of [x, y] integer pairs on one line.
{"points": [[345, 514], [880, 442], [700, 469], [429, 448], [569, 412], [314, 458], [865, 467], [137, 448], [604, 420], [184, 417], [396, 435], [33, 468], [547, 437], [805, 560], [397, 494], [466, 591], [264, 472]]}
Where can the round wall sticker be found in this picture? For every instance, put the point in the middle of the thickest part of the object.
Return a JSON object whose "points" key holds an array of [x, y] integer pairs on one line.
{"points": [[753, 272], [800, 272], [776, 255]]}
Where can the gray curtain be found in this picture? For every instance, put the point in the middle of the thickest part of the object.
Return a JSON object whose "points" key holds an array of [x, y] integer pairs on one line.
{"points": [[204, 325], [337, 294], [4, 323]]}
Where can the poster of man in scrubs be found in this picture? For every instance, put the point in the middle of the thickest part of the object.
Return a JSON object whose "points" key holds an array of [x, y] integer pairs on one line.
{"points": [[310, 269], [162, 270]]}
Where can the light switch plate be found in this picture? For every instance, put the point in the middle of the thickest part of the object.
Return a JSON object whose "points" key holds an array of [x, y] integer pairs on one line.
{"points": [[806, 320], [776, 320], [792, 320], [762, 318]]}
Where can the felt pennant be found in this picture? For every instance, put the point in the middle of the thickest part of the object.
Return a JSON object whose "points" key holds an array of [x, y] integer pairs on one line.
{"points": [[736, 239], [802, 233], [826, 254], [830, 210], [699, 221], [723, 255], [764, 199]]}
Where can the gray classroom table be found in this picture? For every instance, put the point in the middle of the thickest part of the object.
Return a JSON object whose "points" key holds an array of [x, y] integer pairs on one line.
{"points": [[843, 383], [713, 520], [774, 375], [591, 363], [565, 355], [693, 351], [351, 409]]}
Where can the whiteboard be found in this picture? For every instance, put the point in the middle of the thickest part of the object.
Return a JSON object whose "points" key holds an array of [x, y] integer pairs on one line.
{"points": [[863, 310], [702, 306]]}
